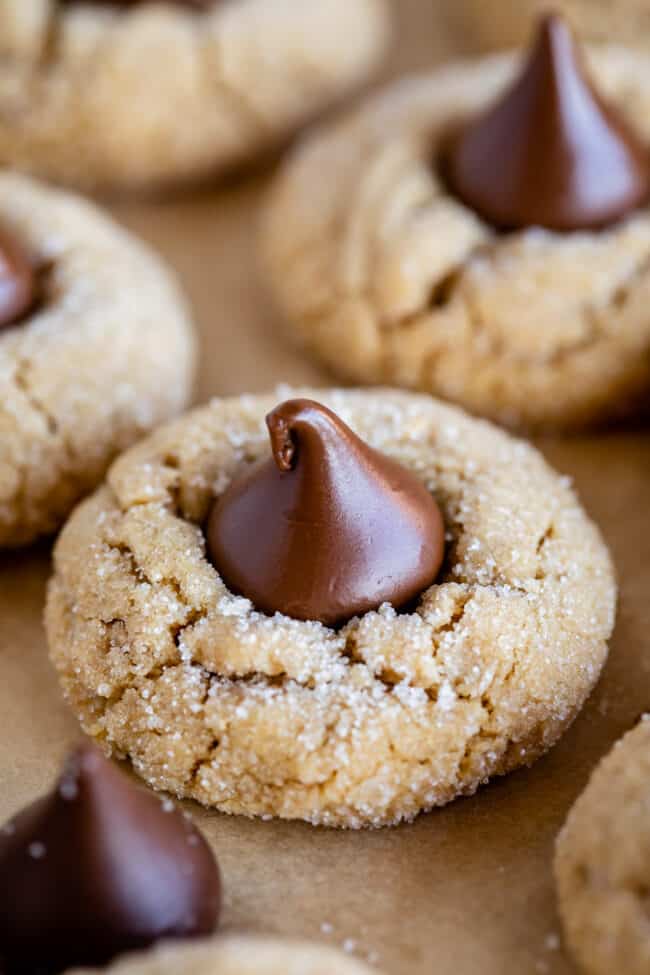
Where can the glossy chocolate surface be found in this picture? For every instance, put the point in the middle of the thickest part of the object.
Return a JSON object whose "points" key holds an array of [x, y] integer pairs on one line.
{"points": [[551, 152], [99, 867], [327, 528], [18, 281]]}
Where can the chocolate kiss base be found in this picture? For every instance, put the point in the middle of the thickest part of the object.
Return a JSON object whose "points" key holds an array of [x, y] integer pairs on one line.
{"points": [[327, 528], [97, 868], [550, 152]]}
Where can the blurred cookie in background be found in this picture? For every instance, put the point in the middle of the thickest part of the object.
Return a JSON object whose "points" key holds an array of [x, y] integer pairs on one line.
{"points": [[96, 348], [485, 26], [482, 234], [138, 95], [602, 859]]}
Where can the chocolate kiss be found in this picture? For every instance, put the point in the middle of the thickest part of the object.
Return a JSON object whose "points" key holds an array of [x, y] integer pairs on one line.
{"points": [[97, 868], [17, 281], [328, 528], [551, 152]]}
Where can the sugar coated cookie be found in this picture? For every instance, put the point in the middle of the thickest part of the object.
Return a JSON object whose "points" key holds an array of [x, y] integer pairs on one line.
{"points": [[240, 955], [372, 718], [603, 859], [96, 348], [397, 269]]}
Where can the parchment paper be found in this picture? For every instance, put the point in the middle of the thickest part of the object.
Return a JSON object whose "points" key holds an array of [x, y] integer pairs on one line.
{"points": [[466, 889]]}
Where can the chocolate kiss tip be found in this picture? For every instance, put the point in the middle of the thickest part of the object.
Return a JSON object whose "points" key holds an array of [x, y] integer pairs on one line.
{"points": [[327, 528], [99, 867], [551, 152]]}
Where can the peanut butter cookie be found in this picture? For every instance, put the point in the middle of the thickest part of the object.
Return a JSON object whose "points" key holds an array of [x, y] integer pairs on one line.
{"points": [[386, 276], [364, 723], [603, 859], [96, 348], [239, 955], [135, 95]]}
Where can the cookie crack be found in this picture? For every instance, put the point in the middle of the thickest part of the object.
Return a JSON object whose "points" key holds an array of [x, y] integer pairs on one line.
{"points": [[21, 381], [178, 630], [383, 675], [484, 732], [201, 763], [52, 432], [547, 536], [241, 105], [594, 316], [49, 54], [450, 288], [622, 293], [456, 616], [193, 614]]}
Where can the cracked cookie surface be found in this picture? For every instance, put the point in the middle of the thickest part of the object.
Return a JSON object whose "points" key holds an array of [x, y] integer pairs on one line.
{"points": [[106, 355], [387, 278], [365, 725], [87, 96], [238, 955], [602, 862]]}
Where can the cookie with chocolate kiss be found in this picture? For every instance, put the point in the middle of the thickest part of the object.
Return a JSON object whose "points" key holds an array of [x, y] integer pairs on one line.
{"points": [[551, 152], [327, 528], [363, 726], [99, 867], [189, 89], [18, 284]]}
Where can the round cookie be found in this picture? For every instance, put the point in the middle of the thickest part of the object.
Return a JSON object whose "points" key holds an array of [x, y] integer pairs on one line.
{"points": [[386, 277], [136, 96], [363, 725], [602, 861], [239, 955], [105, 355], [627, 21]]}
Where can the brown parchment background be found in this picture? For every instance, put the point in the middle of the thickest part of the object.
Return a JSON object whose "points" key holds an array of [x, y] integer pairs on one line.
{"points": [[464, 890]]}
